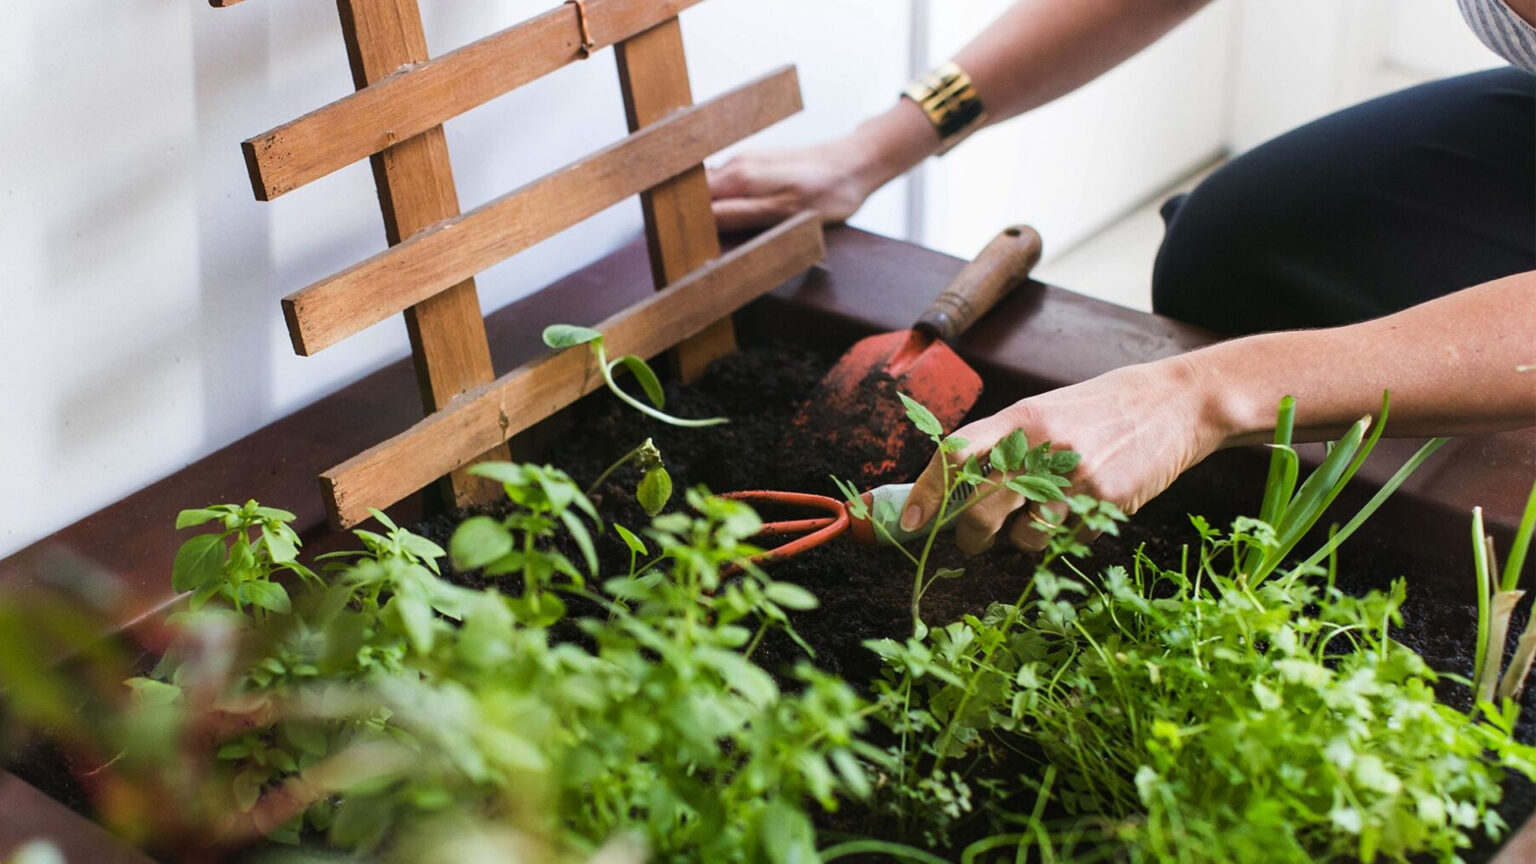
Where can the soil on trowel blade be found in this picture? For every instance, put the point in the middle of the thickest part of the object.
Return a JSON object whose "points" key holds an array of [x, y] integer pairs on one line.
{"points": [[865, 592]]}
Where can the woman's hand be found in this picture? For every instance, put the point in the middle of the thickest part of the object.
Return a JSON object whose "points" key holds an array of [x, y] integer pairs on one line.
{"points": [[1136, 428], [755, 190]]}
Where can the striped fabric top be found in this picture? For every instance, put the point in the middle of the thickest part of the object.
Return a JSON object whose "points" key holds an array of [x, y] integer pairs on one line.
{"points": [[1509, 35]]}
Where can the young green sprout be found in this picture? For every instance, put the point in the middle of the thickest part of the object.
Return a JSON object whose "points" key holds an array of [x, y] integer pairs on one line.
{"points": [[655, 486], [569, 335]]}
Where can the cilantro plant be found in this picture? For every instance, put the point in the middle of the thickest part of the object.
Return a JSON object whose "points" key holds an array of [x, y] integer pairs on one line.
{"points": [[1036, 473], [1229, 708], [569, 336]]}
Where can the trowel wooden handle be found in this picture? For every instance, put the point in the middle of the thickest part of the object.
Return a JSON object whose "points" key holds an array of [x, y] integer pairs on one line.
{"points": [[1001, 267]]}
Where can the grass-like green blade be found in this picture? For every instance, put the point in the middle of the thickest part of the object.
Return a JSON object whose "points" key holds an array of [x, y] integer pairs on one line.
{"points": [[1275, 493], [1311, 499], [898, 851], [1484, 592], [1283, 470], [1522, 544], [1381, 496]]}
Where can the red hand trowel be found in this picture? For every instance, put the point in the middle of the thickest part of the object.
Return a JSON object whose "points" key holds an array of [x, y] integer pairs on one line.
{"points": [[855, 407]]}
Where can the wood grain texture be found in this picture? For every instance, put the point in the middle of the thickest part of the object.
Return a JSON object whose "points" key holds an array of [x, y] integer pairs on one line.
{"points": [[679, 225], [455, 249], [413, 97], [415, 185], [394, 469]]}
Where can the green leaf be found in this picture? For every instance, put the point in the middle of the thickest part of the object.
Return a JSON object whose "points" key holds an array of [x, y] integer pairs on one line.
{"points": [[383, 519], [279, 547], [741, 675], [273, 513], [654, 491], [949, 573], [267, 595], [1035, 488], [786, 834], [502, 472], [790, 596], [647, 378], [1064, 461], [193, 518], [478, 541], [634, 543], [198, 562], [416, 620], [582, 537], [1008, 454], [148, 691], [248, 785], [921, 417], [567, 335]]}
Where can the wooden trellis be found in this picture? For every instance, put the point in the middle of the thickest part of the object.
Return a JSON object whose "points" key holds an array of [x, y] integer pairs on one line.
{"points": [[395, 119]]}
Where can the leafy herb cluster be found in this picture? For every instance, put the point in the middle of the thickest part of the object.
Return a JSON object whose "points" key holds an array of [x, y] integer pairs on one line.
{"points": [[653, 722], [1224, 709]]}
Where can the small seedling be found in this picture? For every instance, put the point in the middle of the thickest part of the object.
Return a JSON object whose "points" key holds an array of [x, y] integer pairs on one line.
{"points": [[655, 486], [569, 335]]}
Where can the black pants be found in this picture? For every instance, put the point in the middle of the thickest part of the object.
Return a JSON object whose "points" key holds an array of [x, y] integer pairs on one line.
{"points": [[1365, 212]]}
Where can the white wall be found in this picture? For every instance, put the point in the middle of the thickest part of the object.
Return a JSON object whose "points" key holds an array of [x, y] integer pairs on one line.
{"points": [[140, 327], [1082, 161], [1297, 60]]}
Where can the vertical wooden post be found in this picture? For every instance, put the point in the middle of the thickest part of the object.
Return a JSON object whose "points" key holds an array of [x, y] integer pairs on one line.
{"points": [[679, 226], [415, 184]]}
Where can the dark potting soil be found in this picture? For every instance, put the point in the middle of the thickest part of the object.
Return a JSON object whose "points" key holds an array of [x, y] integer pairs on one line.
{"points": [[865, 592]]}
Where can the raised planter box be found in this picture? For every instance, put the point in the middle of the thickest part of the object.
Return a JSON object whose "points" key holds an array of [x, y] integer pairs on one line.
{"points": [[1041, 337]]}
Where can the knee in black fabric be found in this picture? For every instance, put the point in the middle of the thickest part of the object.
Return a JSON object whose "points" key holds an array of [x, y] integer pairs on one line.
{"points": [[1196, 273]]}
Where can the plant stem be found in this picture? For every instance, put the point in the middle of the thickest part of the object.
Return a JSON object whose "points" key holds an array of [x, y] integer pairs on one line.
{"points": [[619, 463], [607, 368]]}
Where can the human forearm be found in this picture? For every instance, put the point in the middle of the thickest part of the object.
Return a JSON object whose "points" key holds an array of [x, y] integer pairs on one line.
{"points": [[1033, 53], [1042, 49], [1450, 364]]}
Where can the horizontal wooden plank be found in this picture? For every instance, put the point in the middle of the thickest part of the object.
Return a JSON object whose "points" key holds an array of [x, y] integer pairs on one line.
{"points": [[424, 95], [490, 414], [455, 249]]}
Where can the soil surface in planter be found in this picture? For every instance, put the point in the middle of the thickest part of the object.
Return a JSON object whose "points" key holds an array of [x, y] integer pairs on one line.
{"points": [[865, 591]]}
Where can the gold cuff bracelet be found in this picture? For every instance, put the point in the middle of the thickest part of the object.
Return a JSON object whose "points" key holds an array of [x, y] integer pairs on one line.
{"points": [[949, 99]]}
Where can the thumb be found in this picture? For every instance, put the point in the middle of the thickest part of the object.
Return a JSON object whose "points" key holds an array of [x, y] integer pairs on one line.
{"points": [[927, 491]]}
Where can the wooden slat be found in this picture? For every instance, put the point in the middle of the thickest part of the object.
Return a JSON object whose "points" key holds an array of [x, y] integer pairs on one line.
{"points": [[415, 186], [679, 225], [411, 100], [390, 471], [457, 248]]}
